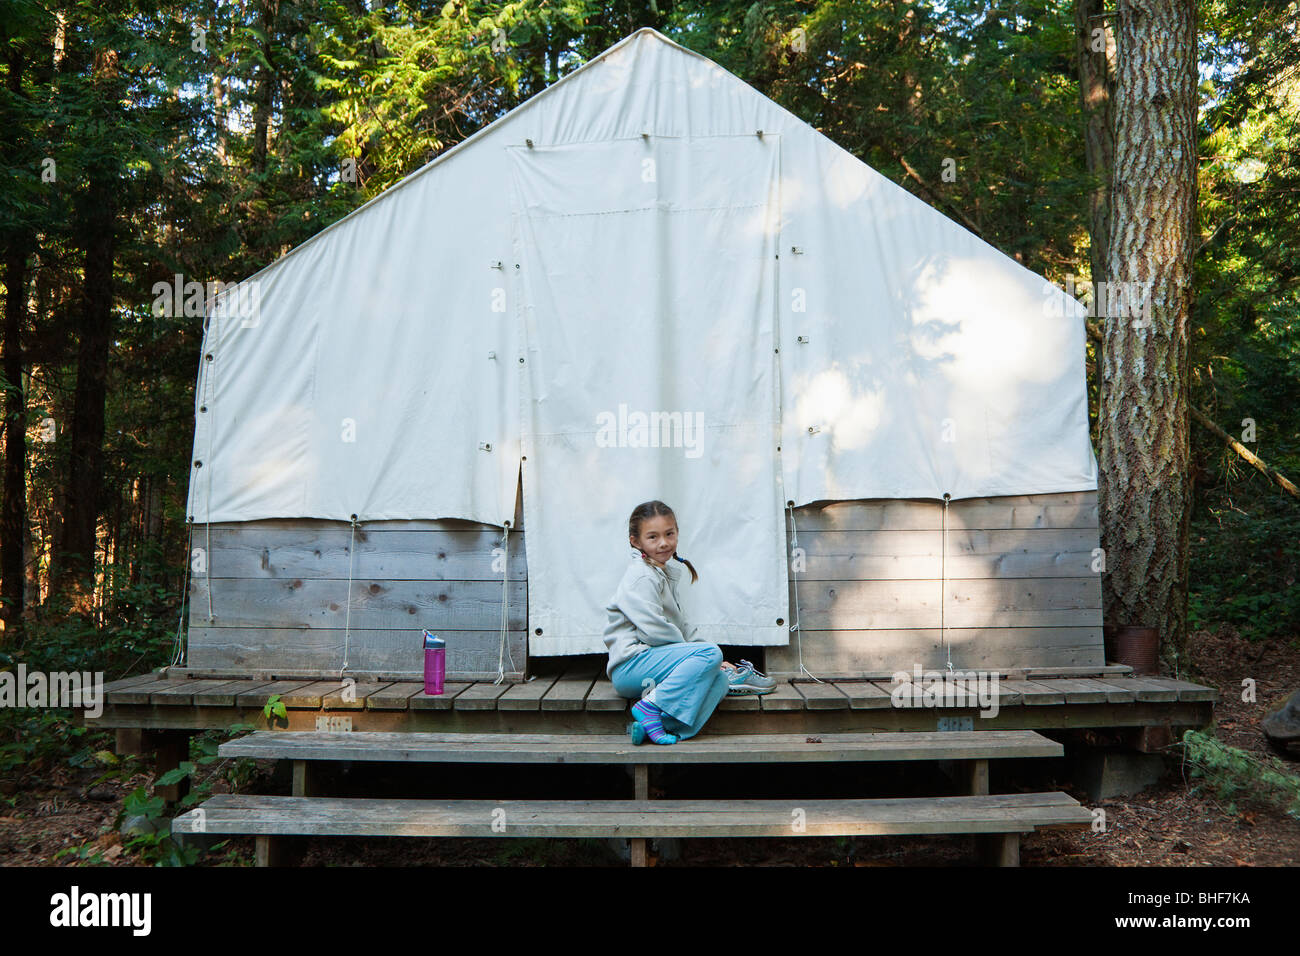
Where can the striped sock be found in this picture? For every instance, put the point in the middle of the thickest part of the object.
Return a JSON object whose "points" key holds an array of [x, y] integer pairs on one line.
{"points": [[649, 717]]}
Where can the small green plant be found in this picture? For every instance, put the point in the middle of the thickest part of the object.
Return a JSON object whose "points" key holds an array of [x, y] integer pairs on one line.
{"points": [[275, 708], [152, 838], [1231, 773]]}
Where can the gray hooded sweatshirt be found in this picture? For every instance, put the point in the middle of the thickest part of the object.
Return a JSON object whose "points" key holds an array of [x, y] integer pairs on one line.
{"points": [[644, 611]]}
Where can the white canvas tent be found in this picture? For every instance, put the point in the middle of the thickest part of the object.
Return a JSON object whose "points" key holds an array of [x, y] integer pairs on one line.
{"points": [[648, 281]]}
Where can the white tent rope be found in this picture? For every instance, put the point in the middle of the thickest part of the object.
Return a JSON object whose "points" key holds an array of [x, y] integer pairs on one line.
{"points": [[943, 583], [505, 601], [347, 619], [794, 626], [178, 645]]}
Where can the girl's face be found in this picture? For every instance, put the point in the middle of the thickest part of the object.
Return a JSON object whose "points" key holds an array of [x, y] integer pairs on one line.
{"points": [[658, 538]]}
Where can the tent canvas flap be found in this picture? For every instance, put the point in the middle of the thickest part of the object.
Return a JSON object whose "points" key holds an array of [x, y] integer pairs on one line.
{"points": [[647, 301]]}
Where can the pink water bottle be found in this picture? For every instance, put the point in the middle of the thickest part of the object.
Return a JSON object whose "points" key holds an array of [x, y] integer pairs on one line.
{"points": [[435, 663]]}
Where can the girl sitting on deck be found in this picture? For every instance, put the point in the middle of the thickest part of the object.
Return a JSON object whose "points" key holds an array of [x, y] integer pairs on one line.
{"points": [[650, 645]]}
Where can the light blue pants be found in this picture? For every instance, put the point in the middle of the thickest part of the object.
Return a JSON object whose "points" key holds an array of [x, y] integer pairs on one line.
{"points": [[688, 683]]}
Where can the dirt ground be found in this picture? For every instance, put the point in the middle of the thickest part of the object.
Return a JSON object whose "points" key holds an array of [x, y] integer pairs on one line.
{"points": [[47, 809]]}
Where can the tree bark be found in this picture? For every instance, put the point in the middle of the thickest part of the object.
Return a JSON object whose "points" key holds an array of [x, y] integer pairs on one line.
{"points": [[1096, 83], [1144, 453], [265, 96]]}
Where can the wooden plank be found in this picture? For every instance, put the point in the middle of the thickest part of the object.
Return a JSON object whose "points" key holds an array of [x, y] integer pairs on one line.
{"points": [[873, 653], [376, 604], [999, 696], [821, 696], [603, 697], [903, 555], [395, 696], [1116, 693], [379, 525], [616, 748], [570, 691], [1150, 688], [141, 693], [125, 682], [975, 603], [1101, 670], [864, 695], [732, 702], [469, 554], [1061, 510], [443, 701], [1075, 692], [784, 697], [377, 654], [257, 694], [1186, 690], [998, 813], [219, 693], [309, 696], [352, 697], [481, 695], [526, 695], [1034, 693]]}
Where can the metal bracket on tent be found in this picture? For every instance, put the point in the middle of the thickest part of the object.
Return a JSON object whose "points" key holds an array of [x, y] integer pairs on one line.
{"points": [[485, 446], [492, 355], [497, 265], [529, 142], [802, 340], [759, 132], [814, 429]]}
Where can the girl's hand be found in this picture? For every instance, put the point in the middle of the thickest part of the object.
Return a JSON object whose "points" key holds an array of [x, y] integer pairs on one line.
{"points": [[729, 666]]}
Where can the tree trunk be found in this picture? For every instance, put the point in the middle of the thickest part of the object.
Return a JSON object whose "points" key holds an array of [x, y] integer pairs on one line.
{"points": [[1144, 442], [265, 96], [13, 507], [13, 512], [1096, 53], [86, 461]]}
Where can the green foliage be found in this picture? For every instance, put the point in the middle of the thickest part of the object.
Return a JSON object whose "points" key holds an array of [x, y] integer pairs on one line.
{"points": [[274, 708], [153, 844], [38, 737], [1231, 774], [1245, 342]]}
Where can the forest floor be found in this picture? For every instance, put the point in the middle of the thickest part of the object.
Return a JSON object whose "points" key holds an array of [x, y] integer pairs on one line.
{"points": [[1177, 822]]}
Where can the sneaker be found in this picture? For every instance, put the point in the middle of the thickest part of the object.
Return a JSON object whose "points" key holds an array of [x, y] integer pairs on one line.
{"points": [[746, 679]]}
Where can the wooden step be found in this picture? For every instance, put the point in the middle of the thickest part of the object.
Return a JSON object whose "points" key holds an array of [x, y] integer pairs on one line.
{"points": [[618, 749], [333, 816]]}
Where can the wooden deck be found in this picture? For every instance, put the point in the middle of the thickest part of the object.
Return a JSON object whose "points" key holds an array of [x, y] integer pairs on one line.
{"points": [[578, 700]]}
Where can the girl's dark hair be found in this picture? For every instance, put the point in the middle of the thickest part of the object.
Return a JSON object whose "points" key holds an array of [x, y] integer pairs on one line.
{"points": [[654, 509]]}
